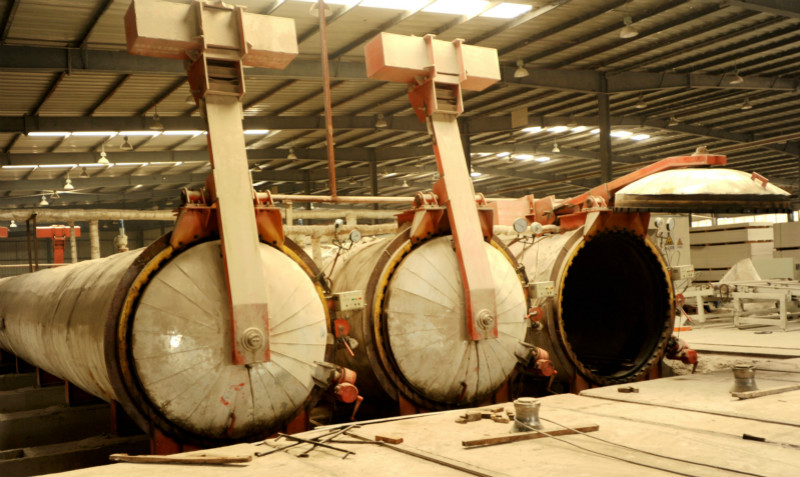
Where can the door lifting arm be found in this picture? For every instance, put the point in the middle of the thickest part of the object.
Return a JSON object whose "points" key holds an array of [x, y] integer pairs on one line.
{"points": [[436, 71], [216, 41]]}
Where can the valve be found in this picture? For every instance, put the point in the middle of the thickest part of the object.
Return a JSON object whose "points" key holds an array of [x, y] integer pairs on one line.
{"points": [[535, 360], [678, 349], [340, 383]]}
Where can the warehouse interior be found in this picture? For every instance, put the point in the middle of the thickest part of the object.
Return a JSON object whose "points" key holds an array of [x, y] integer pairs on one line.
{"points": [[107, 162]]}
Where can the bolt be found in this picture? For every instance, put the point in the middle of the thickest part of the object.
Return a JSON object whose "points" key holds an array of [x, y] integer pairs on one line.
{"points": [[485, 319], [252, 339]]}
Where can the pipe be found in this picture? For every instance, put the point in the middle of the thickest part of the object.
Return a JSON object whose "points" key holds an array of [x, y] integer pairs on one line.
{"points": [[352, 199], [150, 329], [326, 90], [317, 231], [65, 215], [337, 213]]}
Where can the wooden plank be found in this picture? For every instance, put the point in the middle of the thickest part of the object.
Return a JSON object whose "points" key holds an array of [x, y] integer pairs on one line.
{"points": [[185, 459], [524, 436]]}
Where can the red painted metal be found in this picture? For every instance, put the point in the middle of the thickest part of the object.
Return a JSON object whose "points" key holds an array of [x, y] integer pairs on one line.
{"points": [[606, 191], [326, 90], [45, 379], [298, 424], [59, 234], [76, 396]]}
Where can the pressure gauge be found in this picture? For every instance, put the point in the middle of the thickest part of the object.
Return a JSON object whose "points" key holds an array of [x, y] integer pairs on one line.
{"points": [[355, 236], [520, 225]]}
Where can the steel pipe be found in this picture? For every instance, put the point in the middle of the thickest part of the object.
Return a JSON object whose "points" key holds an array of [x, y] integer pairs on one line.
{"points": [[150, 329]]}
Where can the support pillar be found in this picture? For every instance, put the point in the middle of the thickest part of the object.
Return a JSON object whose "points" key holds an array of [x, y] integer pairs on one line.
{"points": [[605, 132], [373, 178], [73, 245], [316, 250], [94, 239]]}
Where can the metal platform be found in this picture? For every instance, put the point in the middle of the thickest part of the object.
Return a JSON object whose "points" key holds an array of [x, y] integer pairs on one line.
{"points": [[692, 418]]}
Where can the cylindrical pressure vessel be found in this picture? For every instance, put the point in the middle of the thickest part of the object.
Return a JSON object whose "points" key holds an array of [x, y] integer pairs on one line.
{"points": [[612, 313], [151, 329], [411, 337]]}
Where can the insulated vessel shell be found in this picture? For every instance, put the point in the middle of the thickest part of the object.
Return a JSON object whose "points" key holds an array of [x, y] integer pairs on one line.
{"points": [[412, 338], [151, 329]]}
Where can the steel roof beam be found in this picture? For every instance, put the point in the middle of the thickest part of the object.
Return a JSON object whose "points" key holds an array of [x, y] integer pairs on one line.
{"points": [[61, 60], [785, 8], [8, 19]]}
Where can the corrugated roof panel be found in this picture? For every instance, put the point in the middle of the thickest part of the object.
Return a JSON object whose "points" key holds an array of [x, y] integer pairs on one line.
{"points": [[135, 95], [77, 93], [20, 92], [257, 86], [52, 22], [357, 22], [110, 28]]}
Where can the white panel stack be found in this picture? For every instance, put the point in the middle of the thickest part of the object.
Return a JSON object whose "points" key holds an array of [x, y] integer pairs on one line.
{"points": [[787, 244], [716, 249]]}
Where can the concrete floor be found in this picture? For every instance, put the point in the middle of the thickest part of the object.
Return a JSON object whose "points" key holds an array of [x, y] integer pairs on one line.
{"points": [[689, 417], [723, 337]]}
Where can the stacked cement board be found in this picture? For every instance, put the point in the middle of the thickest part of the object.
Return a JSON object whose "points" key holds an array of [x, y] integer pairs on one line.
{"points": [[717, 248]]}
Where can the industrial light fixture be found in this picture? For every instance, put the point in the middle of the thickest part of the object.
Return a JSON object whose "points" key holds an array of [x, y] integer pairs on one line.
{"points": [[126, 146], [84, 174], [474, 173], [673, 121], [641, 104], [572, 123], [12, 225], [291, 155], [55, 195], [736, 78], [156, 125], [43, 202], [68, 184], [381, 122], [555, 147], [520, 72], [628, 31], [103, 157], [405, 183], [746, 105]]}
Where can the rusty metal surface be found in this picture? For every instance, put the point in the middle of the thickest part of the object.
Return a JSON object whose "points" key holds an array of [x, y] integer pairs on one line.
{"points": [[698, 190]]}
